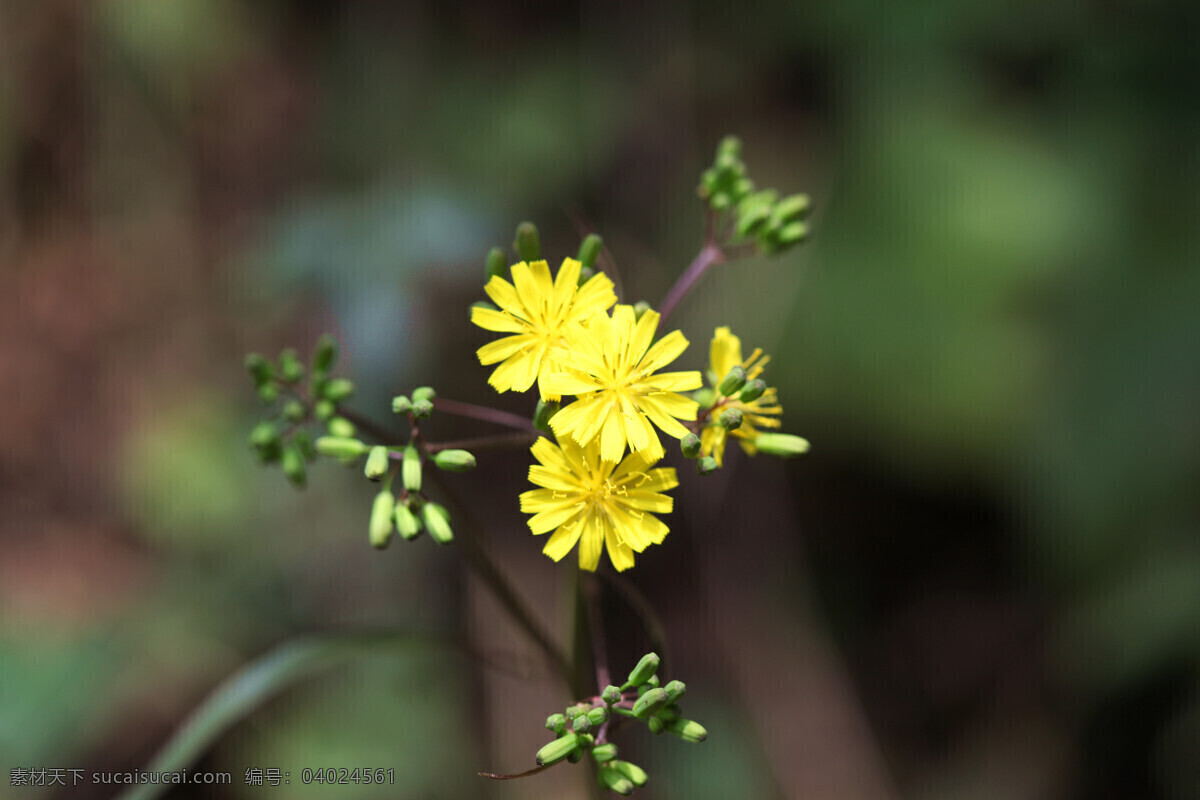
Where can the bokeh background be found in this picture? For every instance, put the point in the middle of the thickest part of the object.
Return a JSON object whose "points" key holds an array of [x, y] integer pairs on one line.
{"points": [[983, 582]]}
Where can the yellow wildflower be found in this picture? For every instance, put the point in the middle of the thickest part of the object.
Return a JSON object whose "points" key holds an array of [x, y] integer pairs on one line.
{"points": [[598, 503], [725, 353], [536, 311], [610, 366]]}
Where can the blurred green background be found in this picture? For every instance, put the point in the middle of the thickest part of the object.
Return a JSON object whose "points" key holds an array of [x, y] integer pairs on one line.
{"points": [[983, 582]]}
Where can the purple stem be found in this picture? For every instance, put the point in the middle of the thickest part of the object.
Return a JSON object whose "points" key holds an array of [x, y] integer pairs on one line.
{"points": [[710, 255]]}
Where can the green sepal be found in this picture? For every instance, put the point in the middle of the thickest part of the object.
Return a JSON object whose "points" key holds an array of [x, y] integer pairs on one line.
{"points": [[495, 265], [641, 673], [733, 381], [731, 419], [292, 464], [589, 250], [259, 369], [340, 447], [543, 413], [454, 460], [325, 354], [631, 771], [410, 469], [437, 522], [340, 426], [688, 730], [784, 445], [528, 244], [382, 527], [377, 463], [650, 702], [612, 779], [557, 750]]}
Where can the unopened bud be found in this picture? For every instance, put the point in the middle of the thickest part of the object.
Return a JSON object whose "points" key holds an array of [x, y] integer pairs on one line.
{"points": [[268, 393], [543, 412], [557, 750], [790, 208], [323, 409], [753, 390], [604, 752], [792, 233], [410, 469], [423, 393], [575, 710], [259, 369], [730, 145], [556, 722], [611, 695], [586, 274], [340, 447], [704, 397], [401, 404], [612, 779], [675, 690], [581, 724], [264, 435], [377, 463], [293, 411], [688, 730], [495, 265], [731, 419], [437, 521], [337, 389], [668, 713], [408, 523], [733, 381], [340, 426], [598, 715], [325, 354], [292, 464], [289, 366], [589, 250], [640, 308], [650, 702], [454, 460], [706, 465], [528, 245], [784, 445], [631, 771], [643, 671], [422, 408], [381, 519], [656, 725]]}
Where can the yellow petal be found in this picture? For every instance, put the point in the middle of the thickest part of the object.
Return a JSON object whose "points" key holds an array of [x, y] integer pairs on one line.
{"points": [[501, 349], [562, 540], [504, 295], [591, 541], [499, 321], [664, 351]]}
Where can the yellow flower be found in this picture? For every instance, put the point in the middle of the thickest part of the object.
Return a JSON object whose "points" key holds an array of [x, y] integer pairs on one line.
{"points": [[536, 311], [595, 502], [725, 353], [610, 366]]}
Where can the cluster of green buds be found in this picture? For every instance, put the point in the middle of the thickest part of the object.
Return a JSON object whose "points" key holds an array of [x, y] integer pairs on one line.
{"points": [[772, 223], [582, 727], [286, 437], [410, 512]]}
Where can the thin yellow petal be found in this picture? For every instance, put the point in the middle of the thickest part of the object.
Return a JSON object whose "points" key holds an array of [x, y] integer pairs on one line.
{"points": [[501, 349], [499, 321], [562, 540]]}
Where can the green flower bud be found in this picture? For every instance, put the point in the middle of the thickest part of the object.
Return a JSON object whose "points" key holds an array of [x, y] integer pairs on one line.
{"points": [[410, 469], [675, 690], [656, 725], [542, 414], [401, 404], [784, 445], [792, 233], [381, 527], [720, 201], [556, 722], [377, 463], [337, 389], [423, 393], [340, 447], [704, 397], [668, 713], [268, 393], [730, 145], [734, 381], [586, 739], [612, 779], [688, 730], [631, 771], [586, 274], [289, 366], [408, 523], [325, 354], [753, 390], [323, 409], [751, 220], [589, 250], [557, 750], [790, 208], [292, 463], [264, 434], [437, 520], [706, 465], [690, 445], [528, 245], [581, 724], [650, 702], [651, 683], [708, 183], [422, 408], [598, 715], [611, 695], [454, 460], [259, 369], [741, 188], [340, 426], [293, 411], [604, 752], [574, 711], [640, 308], [304, 442], [495, 265], [731, 419], [642, 672]]}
